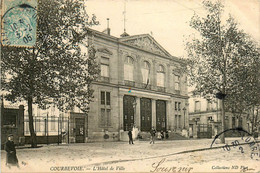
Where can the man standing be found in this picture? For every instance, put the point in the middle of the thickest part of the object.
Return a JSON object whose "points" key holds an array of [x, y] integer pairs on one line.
{"points": [[130, 135], [153, 132], [11, 158]]}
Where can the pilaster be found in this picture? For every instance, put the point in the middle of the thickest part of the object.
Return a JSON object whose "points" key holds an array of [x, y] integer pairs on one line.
{"points": [[154, 113], [137, 113], [121, 111], [169, 121], [153, 77]]}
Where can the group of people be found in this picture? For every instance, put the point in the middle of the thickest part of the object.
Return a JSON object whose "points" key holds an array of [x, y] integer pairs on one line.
{"points": [[160, 135]]}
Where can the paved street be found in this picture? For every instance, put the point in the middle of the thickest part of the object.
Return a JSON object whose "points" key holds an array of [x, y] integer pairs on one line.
{"points": [[163, 156]]}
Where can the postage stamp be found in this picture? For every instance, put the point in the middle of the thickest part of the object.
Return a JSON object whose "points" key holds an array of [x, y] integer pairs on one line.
{"points": [[19, 22]]}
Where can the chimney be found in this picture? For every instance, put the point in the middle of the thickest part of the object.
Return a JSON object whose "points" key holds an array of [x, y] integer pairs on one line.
{"points": [[107, 31]]}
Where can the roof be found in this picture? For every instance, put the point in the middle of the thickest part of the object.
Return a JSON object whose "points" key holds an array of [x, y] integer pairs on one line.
{"points": [[142, 41], [145, 41]]}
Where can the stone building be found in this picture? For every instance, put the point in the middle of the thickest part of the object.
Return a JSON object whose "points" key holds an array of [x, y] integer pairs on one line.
{"points": [[205, 118], [140, 85]]}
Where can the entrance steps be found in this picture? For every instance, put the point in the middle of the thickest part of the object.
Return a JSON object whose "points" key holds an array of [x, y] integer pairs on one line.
{"points": [[146, 136]]}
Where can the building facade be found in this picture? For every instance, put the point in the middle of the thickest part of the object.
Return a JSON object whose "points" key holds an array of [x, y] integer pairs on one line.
{"points": [[205, 118], [141, 85]]}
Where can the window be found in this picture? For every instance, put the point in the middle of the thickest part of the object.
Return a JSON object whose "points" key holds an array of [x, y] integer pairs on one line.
{"points": [[177, 82], [104, 67], [129, 69], [146, 72], [102, 97], [104, 70], [105, 98], [105, 117], [108, 98], [197, 106], [160, 76], [179, 106], [105, 113]]}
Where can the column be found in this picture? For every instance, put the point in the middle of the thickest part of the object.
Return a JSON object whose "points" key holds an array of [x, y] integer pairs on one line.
{"points": [[168, 79], [153, 76], [137, 113], [137, 72], [154, 113], [120, 67]]}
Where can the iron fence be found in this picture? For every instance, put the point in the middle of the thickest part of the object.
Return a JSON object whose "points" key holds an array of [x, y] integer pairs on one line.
{"points": [[49, 128]]}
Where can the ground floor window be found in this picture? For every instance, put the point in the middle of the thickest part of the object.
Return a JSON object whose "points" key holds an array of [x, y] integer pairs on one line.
{"points": [[105, 117]]}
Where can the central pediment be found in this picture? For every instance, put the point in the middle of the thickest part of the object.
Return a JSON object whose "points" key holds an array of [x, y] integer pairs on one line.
{"points": [[145, 42]]}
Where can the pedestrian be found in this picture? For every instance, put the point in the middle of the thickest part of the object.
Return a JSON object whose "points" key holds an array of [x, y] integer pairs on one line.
{"points": [[159, 136], [11, 158], [162, 135], [130, 135], [166, 134], [153, 133]]}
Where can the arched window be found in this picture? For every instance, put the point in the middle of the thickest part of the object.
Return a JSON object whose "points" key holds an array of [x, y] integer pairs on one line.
{"points": [[146, 72], [129, 69], [160, 76]]}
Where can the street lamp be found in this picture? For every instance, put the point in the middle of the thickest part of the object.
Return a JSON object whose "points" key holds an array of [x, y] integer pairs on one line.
{"points": [[184, 111]]}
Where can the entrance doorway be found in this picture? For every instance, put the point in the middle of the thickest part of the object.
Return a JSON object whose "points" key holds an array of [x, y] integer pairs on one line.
{"points": [[160, 115], [128, 107], [80, 130], [146, 114]]}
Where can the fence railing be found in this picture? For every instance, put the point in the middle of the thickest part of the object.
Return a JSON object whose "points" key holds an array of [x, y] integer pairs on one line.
{"points": [[49, 127]]}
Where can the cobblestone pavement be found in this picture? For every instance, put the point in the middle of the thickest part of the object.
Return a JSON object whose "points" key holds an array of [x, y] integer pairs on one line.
{"points": [[163, 156]]}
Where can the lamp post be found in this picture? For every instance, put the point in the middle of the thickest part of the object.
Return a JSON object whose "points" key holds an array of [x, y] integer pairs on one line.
{"points": [[184, 111]]}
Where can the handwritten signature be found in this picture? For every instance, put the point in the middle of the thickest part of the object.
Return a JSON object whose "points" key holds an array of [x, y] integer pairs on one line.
{"points": [[158, 167]]}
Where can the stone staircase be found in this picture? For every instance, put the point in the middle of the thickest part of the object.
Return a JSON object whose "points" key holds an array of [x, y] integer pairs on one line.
{"points": [[172, 136]]}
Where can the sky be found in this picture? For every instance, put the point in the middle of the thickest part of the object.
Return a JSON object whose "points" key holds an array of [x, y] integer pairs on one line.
{"points": [[168, 20]]}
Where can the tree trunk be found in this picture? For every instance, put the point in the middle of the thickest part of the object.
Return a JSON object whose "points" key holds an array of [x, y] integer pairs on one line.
{"points": [[253, 120], [222, 137], [256, 118], [33, 135]]}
